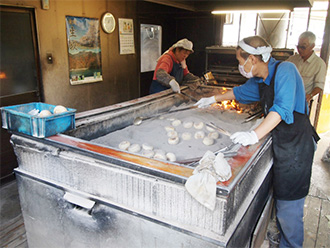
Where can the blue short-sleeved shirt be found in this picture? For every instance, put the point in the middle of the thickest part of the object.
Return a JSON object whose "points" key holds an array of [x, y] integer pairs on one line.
{"points": [[289, 90]]}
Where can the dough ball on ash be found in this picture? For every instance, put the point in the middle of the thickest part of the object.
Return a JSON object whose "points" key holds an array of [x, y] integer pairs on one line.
{"points": [[44, 113], [213, 135], [171, 119], [159, 154], [208, 141], [124, 145], [171, 156], [60, 109], [134, 148], [148, 153], [172, 134], [199, 135], [169, 128], [173, 141], [188, 124], [198, 125], [147, 147], [186, 136], [176, 123]]}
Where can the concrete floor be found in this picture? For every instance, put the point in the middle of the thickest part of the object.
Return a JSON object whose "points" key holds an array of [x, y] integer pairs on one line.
{"points": [[317, 207]]}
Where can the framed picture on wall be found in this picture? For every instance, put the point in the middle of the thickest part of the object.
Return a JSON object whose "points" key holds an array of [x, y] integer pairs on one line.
{"points": [[84, 50]]}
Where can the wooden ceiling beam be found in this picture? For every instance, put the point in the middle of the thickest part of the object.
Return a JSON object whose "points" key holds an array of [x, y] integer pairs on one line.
{"points": [[210, 5]]}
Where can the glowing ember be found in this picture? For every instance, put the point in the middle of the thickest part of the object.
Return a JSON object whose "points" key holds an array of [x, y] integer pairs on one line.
{"points": [[3, 75], [228, 105]]}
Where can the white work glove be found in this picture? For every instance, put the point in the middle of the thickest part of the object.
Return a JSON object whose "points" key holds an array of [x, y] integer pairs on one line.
{"points": [[245, 138], [175, 86], [205, 102], [184, 64]]}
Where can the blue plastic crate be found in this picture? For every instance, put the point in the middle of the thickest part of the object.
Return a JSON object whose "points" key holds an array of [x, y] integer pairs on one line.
{"points": [[16, 118]]}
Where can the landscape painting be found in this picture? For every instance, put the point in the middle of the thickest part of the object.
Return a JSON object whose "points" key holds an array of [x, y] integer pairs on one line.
{"points": [[84, 50]]}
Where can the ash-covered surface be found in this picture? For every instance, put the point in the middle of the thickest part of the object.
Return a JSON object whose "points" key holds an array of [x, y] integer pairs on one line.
{"points": [[152, 132]]}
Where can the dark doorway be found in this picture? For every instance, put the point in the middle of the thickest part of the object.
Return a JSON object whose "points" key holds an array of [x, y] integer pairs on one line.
{"points": [[19, 72]]}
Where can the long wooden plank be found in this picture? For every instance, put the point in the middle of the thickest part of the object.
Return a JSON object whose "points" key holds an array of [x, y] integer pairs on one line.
{"points": [[19, 242], [13, 234], [10, 224]]}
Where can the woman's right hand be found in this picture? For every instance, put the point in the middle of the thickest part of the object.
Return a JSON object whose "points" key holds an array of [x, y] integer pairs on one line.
{"points": [[175, 86]]}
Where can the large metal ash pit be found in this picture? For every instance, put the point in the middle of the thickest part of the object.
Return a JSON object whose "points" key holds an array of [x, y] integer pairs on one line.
{"points": [[80, 190]]}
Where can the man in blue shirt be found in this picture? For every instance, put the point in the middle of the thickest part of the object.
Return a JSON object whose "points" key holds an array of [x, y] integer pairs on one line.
{"points": [[279, 88]]}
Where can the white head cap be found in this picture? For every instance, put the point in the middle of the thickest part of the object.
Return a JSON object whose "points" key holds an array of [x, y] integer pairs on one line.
{"points": [[185, 44]]}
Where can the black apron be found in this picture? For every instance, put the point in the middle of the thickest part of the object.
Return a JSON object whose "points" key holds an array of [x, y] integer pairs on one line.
{"points": [[293, 149], [177, 73]]}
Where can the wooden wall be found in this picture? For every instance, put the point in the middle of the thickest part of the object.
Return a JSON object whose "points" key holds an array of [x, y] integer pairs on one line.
{"points": [[120, 72]]}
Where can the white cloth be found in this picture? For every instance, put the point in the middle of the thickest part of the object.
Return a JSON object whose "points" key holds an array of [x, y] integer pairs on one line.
{"points": [[205, 102], [264, 51], [185, 44], [245, 138], [202, 184]]}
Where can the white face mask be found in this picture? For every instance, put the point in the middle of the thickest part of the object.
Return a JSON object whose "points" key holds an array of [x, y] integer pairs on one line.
{"points": [[243, 72]]}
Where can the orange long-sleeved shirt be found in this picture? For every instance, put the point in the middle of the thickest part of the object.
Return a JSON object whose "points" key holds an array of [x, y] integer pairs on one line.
{"points": [[165, 62]]}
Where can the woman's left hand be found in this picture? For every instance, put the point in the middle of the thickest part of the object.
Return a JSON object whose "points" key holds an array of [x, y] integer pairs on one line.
{"points": [[184, 64], [245, 138]]}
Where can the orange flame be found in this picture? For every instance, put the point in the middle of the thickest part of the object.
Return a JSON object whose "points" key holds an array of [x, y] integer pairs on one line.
{"points": [[3, 75], [229, 105]]}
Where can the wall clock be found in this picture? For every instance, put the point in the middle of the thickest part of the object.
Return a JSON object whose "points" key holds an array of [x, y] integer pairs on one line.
{"points": [[108, 23]]}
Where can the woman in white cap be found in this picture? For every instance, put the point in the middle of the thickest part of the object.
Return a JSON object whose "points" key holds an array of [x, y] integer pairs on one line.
{"points": [[171, 69], [279, 88]]}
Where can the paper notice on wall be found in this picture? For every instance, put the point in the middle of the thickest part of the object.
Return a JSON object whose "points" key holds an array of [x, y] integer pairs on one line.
{"points": [[126, 36]]}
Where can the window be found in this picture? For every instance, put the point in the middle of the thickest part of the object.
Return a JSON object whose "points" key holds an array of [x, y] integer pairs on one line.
{"points": [[269, 26]]}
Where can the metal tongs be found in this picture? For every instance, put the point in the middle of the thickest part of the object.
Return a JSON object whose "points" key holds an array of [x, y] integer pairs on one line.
{"points": [[221, 130], [253, 116], [228, 152], [186, 95]]}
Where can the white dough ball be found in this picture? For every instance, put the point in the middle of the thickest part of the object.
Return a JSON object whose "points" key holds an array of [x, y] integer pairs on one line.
{"points": [[198, 125], [213, 135], [60, 109], [173, 141], [148, 153], [210, 129], [188, 124], [124, 145], [171, 156], [199, 135], [176, 123], [169, 128], [186, 136], [147, 147], [208, 141], [159, 154], [44, 113], [134, 148], [172, 134], [171, 119]]}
